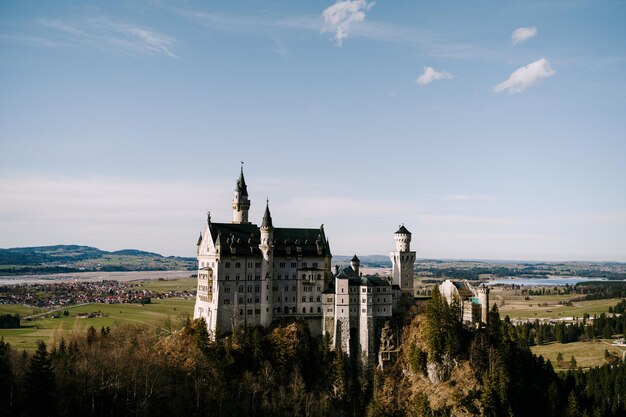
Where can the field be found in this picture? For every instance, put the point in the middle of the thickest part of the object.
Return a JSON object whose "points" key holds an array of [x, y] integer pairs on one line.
{"points": [[547, 306], [587, 354], [161, 313], [163, 285]]}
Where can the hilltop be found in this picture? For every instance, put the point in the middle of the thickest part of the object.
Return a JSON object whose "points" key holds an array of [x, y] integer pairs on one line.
{"points": [[76, 258]]}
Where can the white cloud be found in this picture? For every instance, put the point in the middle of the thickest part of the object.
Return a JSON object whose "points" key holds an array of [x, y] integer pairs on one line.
{"points": [[471, 197], [341, 15], [526, 77], [430, 74], [521, 35]]}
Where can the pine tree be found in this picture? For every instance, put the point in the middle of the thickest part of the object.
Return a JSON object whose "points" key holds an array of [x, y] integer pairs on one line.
{"points": [[434, 326], [6, 378], [40, 384]]}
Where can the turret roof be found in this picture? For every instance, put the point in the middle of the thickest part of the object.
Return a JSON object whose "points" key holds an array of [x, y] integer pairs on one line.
{"points": [[355, 259], [241, 184], [267, 218], [403, 231]]}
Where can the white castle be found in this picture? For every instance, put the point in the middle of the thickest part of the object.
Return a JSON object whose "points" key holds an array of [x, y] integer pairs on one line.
{"points": [[250, 275]]}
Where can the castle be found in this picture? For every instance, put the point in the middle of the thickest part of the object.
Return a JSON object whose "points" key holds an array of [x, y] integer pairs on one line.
{"points": [[473, 301], [251, 275]]}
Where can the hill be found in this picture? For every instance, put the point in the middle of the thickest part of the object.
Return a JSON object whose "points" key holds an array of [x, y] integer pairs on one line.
{"points": [[76, 258]]}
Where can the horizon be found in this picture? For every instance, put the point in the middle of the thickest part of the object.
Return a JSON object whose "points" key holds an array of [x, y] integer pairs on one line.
{"points": [[492, 131]]}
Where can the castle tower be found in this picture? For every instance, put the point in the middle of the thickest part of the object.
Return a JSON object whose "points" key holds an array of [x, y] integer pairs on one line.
{"points": [[341, 331], [267, 246], [483, 297], [402, 260], [241, 203]]}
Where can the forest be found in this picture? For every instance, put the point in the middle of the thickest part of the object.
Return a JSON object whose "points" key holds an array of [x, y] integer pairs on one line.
{"points": [[442, 369]]}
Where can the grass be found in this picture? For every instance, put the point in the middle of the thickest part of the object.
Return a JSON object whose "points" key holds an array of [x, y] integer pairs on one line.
{"points": [[587, 354], [22, 310], [45, 328], [164, 285]]}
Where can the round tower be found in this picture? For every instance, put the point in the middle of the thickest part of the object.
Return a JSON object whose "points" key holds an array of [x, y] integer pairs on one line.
{"points": [[241, 202], [403, 239], [267, 249]]}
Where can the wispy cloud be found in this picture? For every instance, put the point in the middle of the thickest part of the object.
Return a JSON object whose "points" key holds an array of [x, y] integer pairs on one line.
{"points": [[525, 77], [96, 32], [521, 35], [342, 15], [430, 74]]}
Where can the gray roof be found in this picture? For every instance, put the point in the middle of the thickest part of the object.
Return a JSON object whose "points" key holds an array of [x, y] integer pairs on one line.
{"points": [[245, 240], [241, 186]]}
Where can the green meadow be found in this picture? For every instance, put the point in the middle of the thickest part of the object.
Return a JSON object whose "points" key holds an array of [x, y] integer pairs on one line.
{"points": [[165, 314]]}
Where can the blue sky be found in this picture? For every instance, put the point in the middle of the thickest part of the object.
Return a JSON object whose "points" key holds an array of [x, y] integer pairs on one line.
{"points": [[491, 129]]}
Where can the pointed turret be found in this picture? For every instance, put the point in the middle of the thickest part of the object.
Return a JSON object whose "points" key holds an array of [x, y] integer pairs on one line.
{"points": [[241, 184], [241, 203], [267, 218]]}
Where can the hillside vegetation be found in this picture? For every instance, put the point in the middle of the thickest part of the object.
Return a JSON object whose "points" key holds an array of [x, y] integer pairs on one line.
{"points": [[75, 258]]}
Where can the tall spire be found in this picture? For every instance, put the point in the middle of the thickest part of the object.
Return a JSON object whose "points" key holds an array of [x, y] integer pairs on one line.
{"points": [[241, 183], [241, 202], [267, 217]]}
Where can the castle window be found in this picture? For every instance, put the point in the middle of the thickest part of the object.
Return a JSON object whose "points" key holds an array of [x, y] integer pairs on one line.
{"points": [[304, 264], [293, 288], [249, 277], [319, 309], [249, 264], [294, 300], [226, 264], [257, 264], [314, 264], [303, 276], [319, 288], [310, 299], [384, 308], [250, 312], [319, 298], [342, 310], [303, 299], [282, 264], [278, 276], [377, 289], [319, 276], [227, 277], [364, 290], [241, 300], [241, 312], [249, 288], [226, 300], [256, 301], [329, 300], [249, 300], [294, 276], [330, 310], [311, 310], [278, 299], [303, 309], [237, 277], [227, 289], [363, 310], [364, 300], [275, 288], [241, 288], [257, 289], [294, 265], [237, 264], [287, 288], [257, 277], [385, 289]]}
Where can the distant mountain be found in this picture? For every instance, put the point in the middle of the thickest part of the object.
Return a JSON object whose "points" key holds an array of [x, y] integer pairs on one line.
{"points": [[76, 258]]}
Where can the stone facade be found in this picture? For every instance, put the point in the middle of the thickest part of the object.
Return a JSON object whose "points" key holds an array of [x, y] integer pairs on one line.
{"points": [[353, 307]]}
